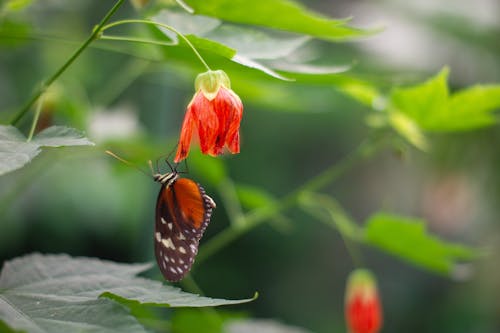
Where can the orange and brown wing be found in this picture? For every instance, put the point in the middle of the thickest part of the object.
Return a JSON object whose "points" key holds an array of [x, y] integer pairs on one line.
{"points": [[183, 212]]}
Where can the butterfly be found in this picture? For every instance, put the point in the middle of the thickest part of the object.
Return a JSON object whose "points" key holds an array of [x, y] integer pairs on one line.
{"points": [[183, 212]]}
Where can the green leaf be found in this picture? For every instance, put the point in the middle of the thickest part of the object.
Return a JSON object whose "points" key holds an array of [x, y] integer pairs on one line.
{"points": [[473, 105], [186, 24], [256, 44], [59, 136], [424, 101], [202, 33], [278, 14], [247, 62], [199, 320], [15, 152], [408, 239], [431, 107], [58, 293]]}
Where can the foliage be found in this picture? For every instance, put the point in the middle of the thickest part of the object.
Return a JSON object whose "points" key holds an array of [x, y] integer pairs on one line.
{"points": [[280, 56], [59, 293]]}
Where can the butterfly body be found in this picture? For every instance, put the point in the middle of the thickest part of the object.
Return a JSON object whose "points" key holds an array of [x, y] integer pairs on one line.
{"points": [[183, 211]]}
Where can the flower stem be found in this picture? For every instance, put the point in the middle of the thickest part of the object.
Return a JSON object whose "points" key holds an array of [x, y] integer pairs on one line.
{"points": [[35, 119], [45, 85], [260, 215], [114, 24]]}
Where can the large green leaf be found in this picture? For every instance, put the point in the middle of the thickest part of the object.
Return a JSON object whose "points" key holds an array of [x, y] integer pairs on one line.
{"points": [[431, 107], [278, 14], [15, 151], [58, 293], [408, 239], [240, 45]]}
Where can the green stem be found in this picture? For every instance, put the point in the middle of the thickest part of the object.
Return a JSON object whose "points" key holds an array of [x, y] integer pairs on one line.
{"points": [[337, 218], [191, 286], [260, 215], [185, 6], [35, 119], [48, 83], [231, 203], [136, 40], [117, 23]]}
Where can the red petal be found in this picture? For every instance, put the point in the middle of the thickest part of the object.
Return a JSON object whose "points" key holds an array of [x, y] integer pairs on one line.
{"points": [[206, 121], [364, 315], [229, 110], [186, 136]]}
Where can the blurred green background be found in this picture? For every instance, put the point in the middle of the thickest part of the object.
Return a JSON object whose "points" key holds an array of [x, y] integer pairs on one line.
{"points": [[82, 202]]}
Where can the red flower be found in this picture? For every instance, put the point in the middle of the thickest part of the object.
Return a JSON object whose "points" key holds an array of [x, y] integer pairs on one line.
{"points": [[363, 309], [215, 111]]}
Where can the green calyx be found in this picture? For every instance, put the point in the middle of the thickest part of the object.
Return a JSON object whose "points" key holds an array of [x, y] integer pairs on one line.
{"points": [[210, 82], [361, 282]]}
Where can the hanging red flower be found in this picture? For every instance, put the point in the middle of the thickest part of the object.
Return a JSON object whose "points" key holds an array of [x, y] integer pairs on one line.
{"points": [[363, 309], [215, 111]]}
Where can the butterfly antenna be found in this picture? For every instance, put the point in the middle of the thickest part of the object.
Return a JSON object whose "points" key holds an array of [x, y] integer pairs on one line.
{"points": [[125, 161], [151, 167]]}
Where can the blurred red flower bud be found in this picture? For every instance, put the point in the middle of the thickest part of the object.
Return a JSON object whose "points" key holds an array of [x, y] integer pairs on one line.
{"points": [[215, 111], [363, 309]]}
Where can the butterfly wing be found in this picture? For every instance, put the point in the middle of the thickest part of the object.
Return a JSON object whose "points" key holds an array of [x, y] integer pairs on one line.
{"points": [[183, 212]]}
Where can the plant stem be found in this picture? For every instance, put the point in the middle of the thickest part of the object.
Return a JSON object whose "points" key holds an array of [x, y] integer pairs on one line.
{"points": [[185, 6], [45, 85], [191, 286], [35, 119], [337, 218], [260, 215], [114, 24], [231, 203]]}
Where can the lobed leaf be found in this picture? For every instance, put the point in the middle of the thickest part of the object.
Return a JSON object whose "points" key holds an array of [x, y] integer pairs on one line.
{"points": [[15, 151], [205, 34], [58, 293], [59, 136], [266, 13], [432, 108], [408, 239]]}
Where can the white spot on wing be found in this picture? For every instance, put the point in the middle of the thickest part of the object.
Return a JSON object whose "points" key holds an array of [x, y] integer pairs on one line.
{"points": [[179, 270], [158, 236], [169, 225], [173, 270], [182, 250], [163, 221], [210, 201], [193, 248], [168, 243], [181, 236]]}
